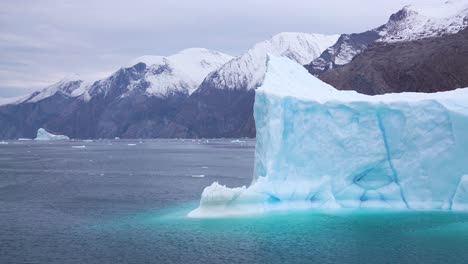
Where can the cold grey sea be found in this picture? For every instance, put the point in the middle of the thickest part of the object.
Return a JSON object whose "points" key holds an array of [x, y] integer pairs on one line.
{"points": [[125, 201]]}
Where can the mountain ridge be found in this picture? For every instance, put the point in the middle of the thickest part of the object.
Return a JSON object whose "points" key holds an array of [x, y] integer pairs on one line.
{"points": [[203, 93], [223, 104], [412, 22], [428, 65], [122, 104]]}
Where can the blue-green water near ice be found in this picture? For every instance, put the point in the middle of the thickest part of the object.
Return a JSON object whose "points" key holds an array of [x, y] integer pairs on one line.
{"points": [[112, 202]]}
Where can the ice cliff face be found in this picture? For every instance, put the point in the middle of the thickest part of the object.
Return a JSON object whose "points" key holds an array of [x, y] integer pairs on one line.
{"points": [[42, 134], [318, 147]]}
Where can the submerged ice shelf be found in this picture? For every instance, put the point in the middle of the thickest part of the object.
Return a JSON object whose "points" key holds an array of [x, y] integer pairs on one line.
{"points": [[318, 147]]}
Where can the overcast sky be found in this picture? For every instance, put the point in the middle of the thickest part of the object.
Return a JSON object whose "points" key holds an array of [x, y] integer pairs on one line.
{"points": [[43, 41]]}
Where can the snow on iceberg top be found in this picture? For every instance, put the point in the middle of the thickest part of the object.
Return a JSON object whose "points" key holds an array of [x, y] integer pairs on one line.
{"points": [[286, 78]]}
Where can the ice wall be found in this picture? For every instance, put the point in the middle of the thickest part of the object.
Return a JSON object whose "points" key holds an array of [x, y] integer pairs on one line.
{"points": [[318, 147]]}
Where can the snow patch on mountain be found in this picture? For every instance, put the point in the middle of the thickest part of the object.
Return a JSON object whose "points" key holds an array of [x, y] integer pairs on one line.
{"points": [[411, 23], [11, 100], [343, 51], [162, 76], [248, 70], [181, 72], [415, 22], [67, 87]]}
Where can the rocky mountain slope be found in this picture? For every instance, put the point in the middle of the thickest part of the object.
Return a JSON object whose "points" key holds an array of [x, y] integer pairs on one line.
{"points": [[427, 65], [223, 104], [410, 23], [201, 93], [135, 101]]}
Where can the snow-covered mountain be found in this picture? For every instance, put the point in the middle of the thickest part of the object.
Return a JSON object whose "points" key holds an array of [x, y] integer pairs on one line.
{"points": [[159, 76], [202, 93], [222, 106], [413, 22], [162, 76], [248, 70], [10, 100], [135, 101], [69, 87], [343, 51], [427, 65]]}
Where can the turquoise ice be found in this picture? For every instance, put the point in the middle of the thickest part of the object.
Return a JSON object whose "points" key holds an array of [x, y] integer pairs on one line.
{"points": [[318, 147]]}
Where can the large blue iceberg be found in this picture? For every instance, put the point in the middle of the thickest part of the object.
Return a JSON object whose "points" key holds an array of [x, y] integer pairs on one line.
{"points": [[318, 147]]}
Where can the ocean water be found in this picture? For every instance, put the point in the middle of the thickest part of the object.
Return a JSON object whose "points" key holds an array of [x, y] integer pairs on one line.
{"points": [[125, 201]]}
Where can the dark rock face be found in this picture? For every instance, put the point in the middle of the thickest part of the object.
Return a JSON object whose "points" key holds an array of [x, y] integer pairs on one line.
{"points": [[23, 120], [120, 107], [214, 113], [112, 111], [427, 65], [347, 46], [116, 111], [138, 116]]}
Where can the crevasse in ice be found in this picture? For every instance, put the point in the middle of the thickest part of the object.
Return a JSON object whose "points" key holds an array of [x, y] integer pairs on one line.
{"points": [[318, 147]]}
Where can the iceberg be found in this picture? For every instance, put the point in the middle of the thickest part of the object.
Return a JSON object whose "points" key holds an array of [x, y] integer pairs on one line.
{"points": [[318, 147], [42, 134]]}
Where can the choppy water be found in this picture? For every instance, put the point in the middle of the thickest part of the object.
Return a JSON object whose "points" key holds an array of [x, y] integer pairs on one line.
{"points": [[115, 202]]}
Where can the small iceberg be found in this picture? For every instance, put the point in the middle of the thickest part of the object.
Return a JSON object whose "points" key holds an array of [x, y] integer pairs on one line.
{"points": [[3, 143], [237, 141], [79, 147], [42, 134], [198, 176], [131, 144]]}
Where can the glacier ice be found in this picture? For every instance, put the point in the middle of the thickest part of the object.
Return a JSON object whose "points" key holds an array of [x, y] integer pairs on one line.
{"points": [[42, 134], [318, 147]]}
